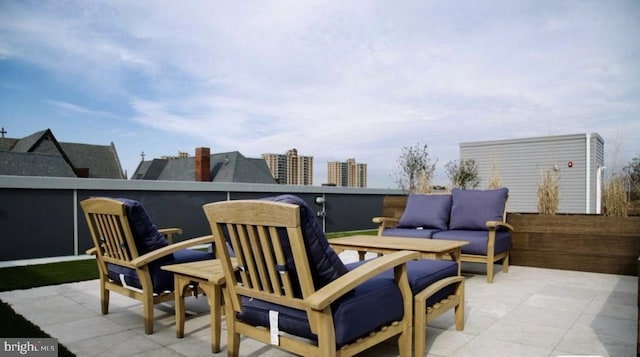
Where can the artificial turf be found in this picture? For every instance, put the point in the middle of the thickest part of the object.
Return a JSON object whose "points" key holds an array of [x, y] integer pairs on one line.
{"points": [[15, 325]]}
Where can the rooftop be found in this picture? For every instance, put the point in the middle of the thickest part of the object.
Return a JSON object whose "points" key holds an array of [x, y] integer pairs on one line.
{"points": [[525, 312]]}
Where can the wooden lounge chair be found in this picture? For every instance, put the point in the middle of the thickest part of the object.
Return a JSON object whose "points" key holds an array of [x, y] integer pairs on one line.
{"points": [[130, 250], [291, 290]]}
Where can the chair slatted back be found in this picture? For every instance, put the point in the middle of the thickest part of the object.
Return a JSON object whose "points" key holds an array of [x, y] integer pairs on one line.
{"points": [[110, 230], [260, 234]]}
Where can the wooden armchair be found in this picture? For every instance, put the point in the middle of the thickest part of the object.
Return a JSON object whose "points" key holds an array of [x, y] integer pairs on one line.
{"points": [[291, 290], [130, 250]]}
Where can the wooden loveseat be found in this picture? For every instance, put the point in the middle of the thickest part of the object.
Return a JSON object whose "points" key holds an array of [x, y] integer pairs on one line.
{"points": [[475, 216]]}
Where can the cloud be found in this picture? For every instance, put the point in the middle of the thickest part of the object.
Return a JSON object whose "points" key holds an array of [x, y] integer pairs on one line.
{"points": [[338, 80], [76, 110]]}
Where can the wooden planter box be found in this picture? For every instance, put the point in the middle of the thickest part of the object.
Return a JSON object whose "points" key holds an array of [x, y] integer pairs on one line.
{"points": [[576, 242]]}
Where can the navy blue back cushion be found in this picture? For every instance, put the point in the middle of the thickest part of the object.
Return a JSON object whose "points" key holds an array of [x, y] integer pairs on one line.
{"points": [[426, 211], [145, 233], [325, 264], [471, 209]]}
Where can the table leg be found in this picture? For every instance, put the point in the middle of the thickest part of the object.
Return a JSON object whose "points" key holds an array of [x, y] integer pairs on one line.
{"points": [[214, 297], [456, 256], [180, 285]]}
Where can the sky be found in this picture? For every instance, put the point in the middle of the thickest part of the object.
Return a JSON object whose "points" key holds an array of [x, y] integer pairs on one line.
{"points": [[335, 80]]}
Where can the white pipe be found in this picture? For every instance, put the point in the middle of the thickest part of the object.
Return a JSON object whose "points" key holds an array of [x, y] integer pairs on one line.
{"points": [[588, 172], [599, 189]]}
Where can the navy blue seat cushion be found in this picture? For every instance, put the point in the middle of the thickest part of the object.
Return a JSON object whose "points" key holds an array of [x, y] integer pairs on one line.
{"points": [[162, 280], [426, 211], [409, 232], [422, 273], [325, 264], [471, 209], [145, 233], [374, 303], [477, 240]]}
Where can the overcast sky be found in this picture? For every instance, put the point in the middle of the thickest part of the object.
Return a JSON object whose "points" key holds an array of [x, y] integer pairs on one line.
{"points": [[333, 79]]}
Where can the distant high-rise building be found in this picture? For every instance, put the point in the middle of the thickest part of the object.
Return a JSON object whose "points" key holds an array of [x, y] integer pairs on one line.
{"points": [[349, 174], [290, 169]]}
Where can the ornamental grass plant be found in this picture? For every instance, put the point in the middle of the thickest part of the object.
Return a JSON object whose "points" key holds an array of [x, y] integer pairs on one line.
{"points": [[615, 197], [548, 193]]}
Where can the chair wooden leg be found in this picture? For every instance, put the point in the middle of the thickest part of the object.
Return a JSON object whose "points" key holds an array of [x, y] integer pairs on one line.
{"points": [[147, 313], [326, 344], [459, 309], [233, 338], [505, 263], [405, 341], [489, 271], [104, 299], [419, 326]]}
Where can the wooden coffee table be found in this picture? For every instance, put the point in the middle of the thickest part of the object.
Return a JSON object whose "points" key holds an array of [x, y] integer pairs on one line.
{"points": [[209, 277], [428, 248]]}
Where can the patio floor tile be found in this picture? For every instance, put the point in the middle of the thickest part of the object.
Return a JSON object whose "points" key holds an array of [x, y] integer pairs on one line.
{"points": [[525, 312]]}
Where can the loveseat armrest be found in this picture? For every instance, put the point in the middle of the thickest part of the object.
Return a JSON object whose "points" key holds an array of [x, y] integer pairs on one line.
{"points": [[169, 232], [322, 298], [164, 251], [385, 222], [498, 224]]}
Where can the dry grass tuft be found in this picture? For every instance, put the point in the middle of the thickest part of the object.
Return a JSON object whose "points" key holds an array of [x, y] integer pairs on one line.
{"points": [[615, 198], [423, 185], [494, 178], [548, 193]]}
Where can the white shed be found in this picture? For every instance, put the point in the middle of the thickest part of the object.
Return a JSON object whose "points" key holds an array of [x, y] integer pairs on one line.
{"points": [[578, 160]]}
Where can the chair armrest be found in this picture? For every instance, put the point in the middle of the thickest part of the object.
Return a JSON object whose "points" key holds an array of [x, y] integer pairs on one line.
{"points": [[92, 251], [169, 232], [437, 286], [159, 253], [496, 224], [337, 288], [385, 220]]}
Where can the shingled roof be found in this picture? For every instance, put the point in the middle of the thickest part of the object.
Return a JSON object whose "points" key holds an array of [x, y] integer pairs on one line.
{"points": [[40, 154], [224, 167]]}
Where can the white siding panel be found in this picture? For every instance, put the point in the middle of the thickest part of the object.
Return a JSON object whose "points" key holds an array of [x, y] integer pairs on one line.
{"points": [[521, 162]]}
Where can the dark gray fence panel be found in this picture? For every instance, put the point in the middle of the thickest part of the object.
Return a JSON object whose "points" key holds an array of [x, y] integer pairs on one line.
{"points": [[41, 217], [351, 212], [36, 223]]}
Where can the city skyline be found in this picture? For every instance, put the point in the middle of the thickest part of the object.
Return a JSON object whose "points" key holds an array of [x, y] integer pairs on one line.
{"points": [[339, 173]]}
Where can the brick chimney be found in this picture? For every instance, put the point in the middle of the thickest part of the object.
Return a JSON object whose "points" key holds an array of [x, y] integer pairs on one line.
{"points": [[202, 164]]}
